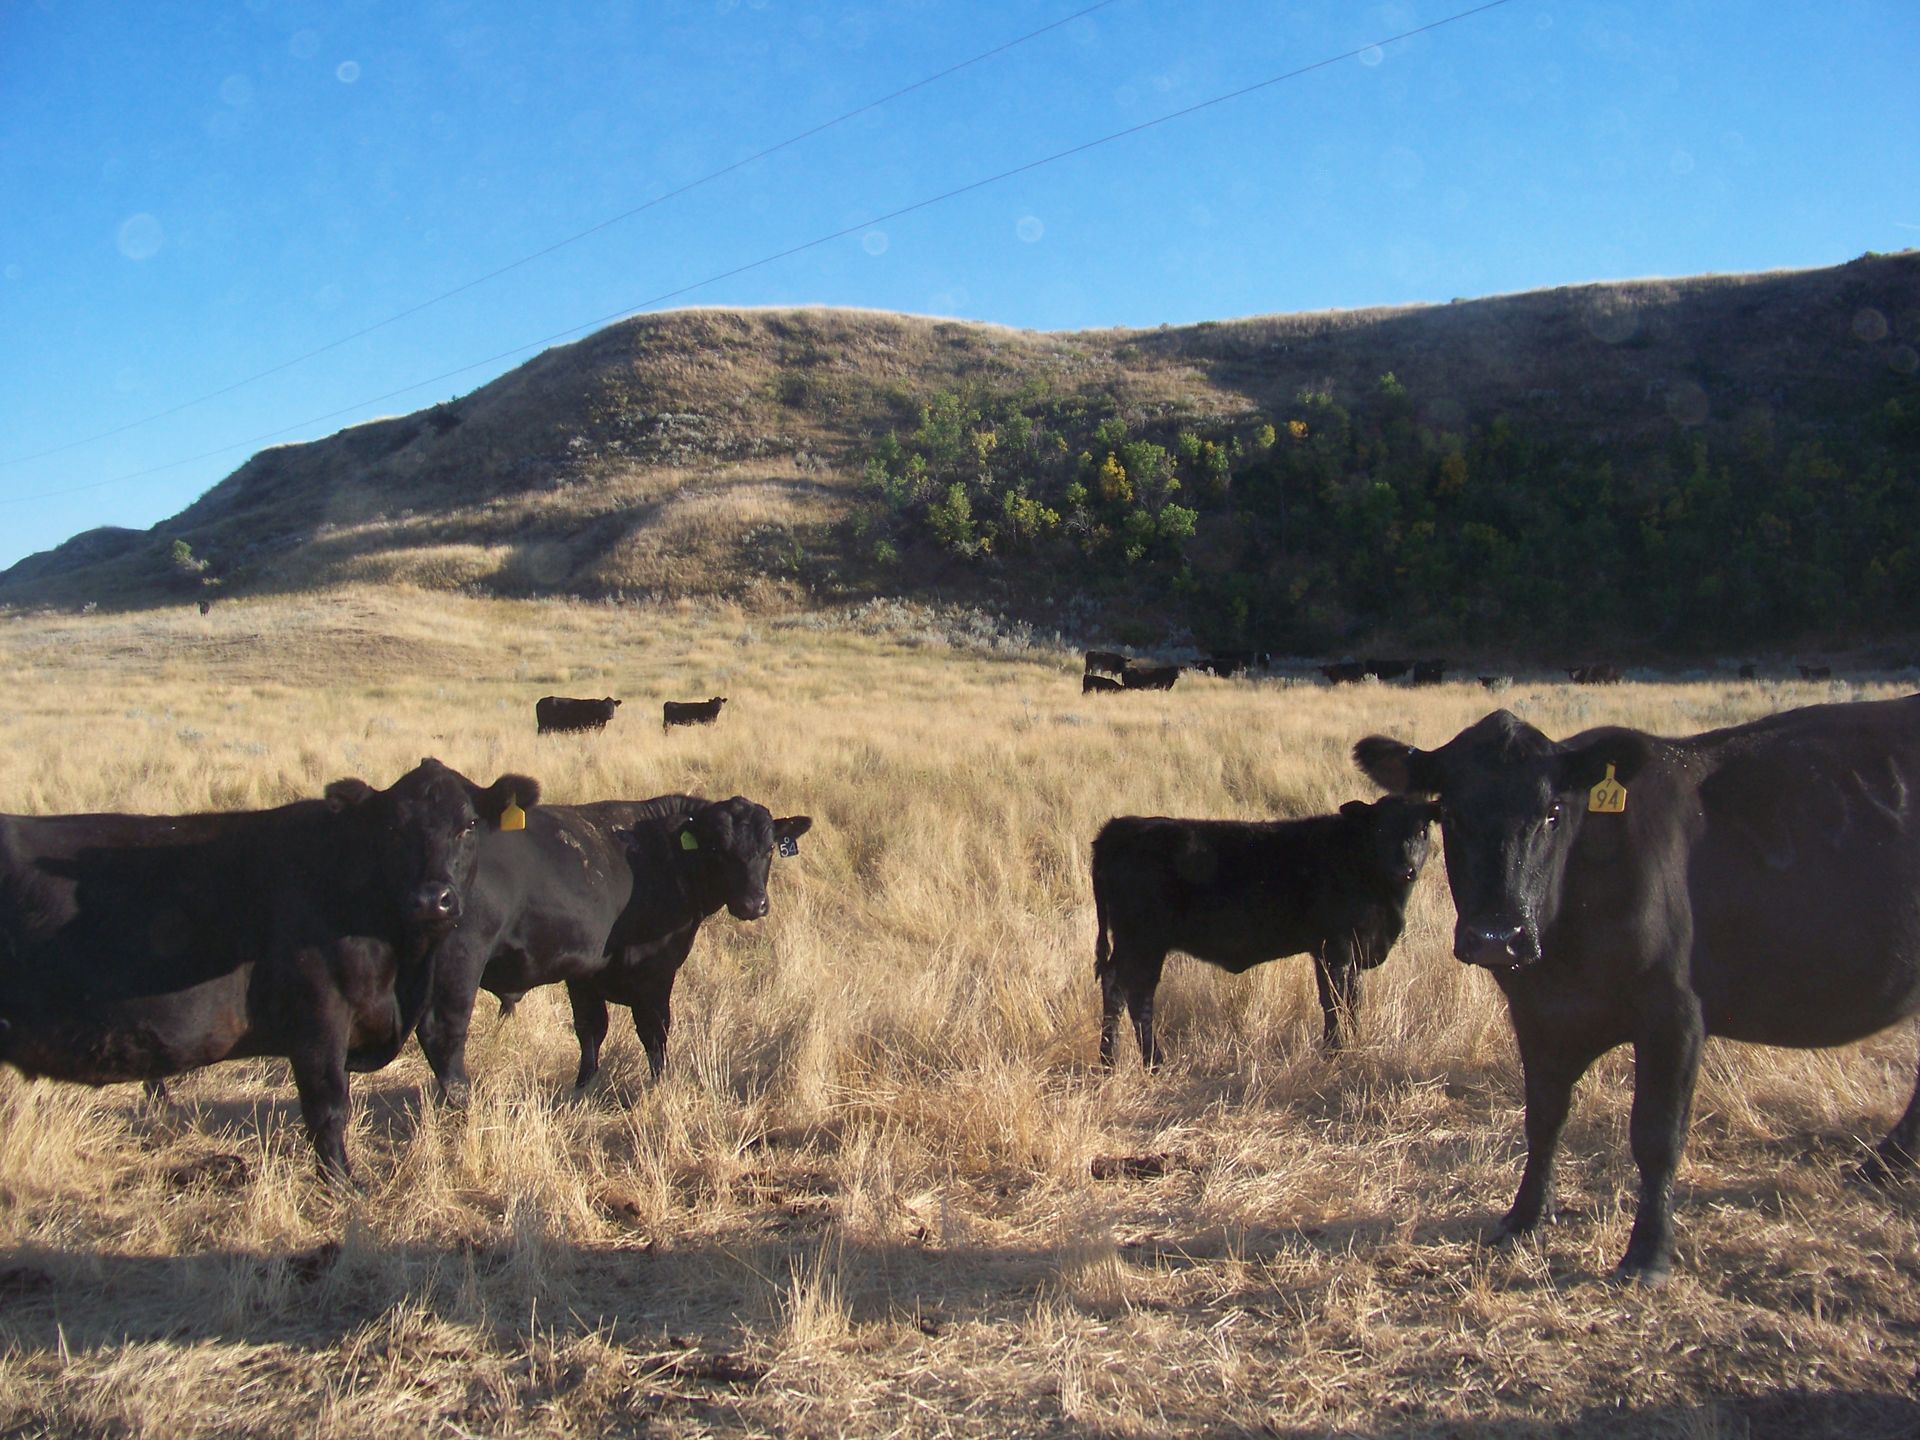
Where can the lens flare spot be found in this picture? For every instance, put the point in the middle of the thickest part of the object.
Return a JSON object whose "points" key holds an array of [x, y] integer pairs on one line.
{"points": [[347, 72], [1870, 325], [1029, 228], [141, 237], [1372, 56], [874, 242]]}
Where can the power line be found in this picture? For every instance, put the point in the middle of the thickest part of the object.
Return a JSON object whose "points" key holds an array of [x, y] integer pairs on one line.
{"points": [[790, 251], [557, 245]]}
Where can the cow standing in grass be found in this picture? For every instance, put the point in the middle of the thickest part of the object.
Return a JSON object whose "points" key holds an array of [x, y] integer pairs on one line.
{"points": [[1757, 883], [134, 947], [558, 714], [690, 712], [1238, 893], [607, 898]]}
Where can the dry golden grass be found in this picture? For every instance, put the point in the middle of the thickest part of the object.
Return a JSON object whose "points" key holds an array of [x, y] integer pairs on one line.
{"points": [[864, 1200]]}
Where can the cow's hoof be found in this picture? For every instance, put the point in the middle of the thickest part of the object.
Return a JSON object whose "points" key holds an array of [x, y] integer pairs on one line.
{"points": [[456, 1095], [1648, 1274], [1509, 1228]]}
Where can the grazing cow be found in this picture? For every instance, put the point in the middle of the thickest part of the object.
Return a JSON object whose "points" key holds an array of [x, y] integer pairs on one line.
{"points": [[1386, 669], [690, 712], [1238, 893], [1749, 671], [1489, 682], [555, 714], [1228, 663], [1756, 883], [1149, 677], [1107, 661], [1816, 672], [607, 897], [1429, 672], [133, 947], [1099, 685], [1600, 674], [1345, 672], [206, 607]]}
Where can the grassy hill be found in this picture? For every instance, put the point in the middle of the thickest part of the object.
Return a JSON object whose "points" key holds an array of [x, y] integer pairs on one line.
{"points": [[720, 453]]}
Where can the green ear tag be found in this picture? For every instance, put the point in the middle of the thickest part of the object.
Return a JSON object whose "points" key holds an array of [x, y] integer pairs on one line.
{"points": [[1609, 797], [513, 817], [687, 842]]}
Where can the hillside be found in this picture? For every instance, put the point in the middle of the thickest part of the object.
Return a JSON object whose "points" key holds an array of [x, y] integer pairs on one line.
{"points": [[710, 452]]}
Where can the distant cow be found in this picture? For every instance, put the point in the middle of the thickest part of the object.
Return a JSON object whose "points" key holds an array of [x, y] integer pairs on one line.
{"points": [[1149, 677], [1601, 674], [607, 897], [1238, 893], [1091, 684], [133, 947], [206, 607], [1228, 663], [1429, 672], [1749, 671], [1816, 672], [1755, 883], [1490, 682], [690, 712], [554, 714], [1344, 672], [1106, 661], [1387, 669]]}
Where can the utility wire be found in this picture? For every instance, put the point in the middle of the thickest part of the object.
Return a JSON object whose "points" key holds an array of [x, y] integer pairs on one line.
{"points": [[575, 238], [793, 250]]}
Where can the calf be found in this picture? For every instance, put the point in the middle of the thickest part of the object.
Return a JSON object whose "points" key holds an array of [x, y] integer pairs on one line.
{"points": [[608, 898], [554, 714], [1106, 660], [1429, 672], [134, 947], [1237, 893], [1344, 672], [690, 712], [1091, 684], [1149, 677], [1387, 669], [1756, 882]]}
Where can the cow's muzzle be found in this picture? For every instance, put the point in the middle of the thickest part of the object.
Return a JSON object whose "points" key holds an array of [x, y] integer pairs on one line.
{"points": [[436, 904], [752, 909], [1499, 946]]}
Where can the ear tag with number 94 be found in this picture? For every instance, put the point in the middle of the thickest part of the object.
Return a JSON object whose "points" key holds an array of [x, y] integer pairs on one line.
{"points": [[1609, 797]]}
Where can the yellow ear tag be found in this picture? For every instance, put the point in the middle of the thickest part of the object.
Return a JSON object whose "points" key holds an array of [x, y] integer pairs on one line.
{"points": [[687, 842], [513, 817], [1609, 797]]}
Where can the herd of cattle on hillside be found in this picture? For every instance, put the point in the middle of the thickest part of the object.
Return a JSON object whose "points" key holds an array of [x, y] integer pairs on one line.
{"points": [[1754, 882]]}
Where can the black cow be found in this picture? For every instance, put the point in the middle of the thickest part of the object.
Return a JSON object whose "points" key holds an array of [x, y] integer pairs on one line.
{"points": [[1749, 671], [1757, 883], [1238, 893], [607, 897], [1816, 672], [1599, 674], [1344, 672], [555, 714], [1106, 660], [1149, 677], [1228, 663], [1488, 682], [1386, 669], [133, 947], [206, 607], [1091, 684], [690, 712], [1429, 672]]}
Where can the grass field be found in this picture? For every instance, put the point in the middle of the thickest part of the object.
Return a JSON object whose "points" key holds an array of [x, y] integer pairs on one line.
{"points": [[865, 1200]]}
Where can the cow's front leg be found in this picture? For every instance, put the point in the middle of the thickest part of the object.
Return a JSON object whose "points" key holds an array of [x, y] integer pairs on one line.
{"points": [[589, 1027], [1553, 1065], [320, 1075], [1665, 1065], [445, 1021], [1337, 972]]}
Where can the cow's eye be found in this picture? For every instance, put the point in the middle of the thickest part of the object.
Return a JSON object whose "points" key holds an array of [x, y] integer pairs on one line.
{"points": [[1554, 812]]}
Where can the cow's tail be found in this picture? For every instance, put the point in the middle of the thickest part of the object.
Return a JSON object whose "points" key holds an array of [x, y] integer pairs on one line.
{"points": [[1102, 947]]}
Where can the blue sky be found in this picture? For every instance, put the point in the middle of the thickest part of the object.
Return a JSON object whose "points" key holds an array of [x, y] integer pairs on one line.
{"points": [[197, 193]]}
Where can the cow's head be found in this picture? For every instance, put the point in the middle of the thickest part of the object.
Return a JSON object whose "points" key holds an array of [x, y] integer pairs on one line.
{"points": [[419, 837], [1394, 833], [1512, 807], [727, 846]]}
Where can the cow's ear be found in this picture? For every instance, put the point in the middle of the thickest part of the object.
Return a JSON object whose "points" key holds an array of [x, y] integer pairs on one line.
{"points": [[1624, 753], [792, 827], [345, 794], [518, 791], [1355, 808], [1396, 766]]}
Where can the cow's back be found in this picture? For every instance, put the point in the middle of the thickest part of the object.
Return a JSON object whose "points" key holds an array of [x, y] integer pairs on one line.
{"points": [[1803, 873]]}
